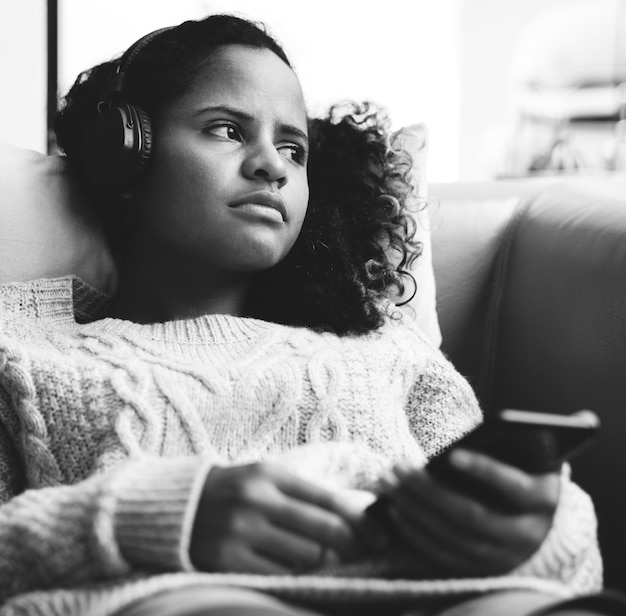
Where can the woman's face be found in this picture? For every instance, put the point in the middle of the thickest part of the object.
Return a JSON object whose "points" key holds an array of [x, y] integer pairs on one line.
{"points": [[227, 187]]}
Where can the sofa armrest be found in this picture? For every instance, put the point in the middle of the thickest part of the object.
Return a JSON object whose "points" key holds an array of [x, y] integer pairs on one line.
{"points": [[467, 224], [539, 278]]}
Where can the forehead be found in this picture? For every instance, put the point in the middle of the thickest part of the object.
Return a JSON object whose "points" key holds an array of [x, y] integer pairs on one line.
{"points": [[256, 80]]}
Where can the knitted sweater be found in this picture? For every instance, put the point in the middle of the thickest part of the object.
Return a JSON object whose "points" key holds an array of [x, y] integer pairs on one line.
{"points": [[108, 429]]}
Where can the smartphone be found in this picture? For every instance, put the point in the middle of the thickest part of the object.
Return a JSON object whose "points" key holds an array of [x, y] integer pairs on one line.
{"points": [[534, 442]]}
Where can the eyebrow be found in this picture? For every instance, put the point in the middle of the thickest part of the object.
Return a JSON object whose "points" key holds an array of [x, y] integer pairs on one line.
{"points": [[244, 115]]}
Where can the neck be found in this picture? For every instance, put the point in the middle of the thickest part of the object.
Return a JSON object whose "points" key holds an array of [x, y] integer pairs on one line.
{"points": [[157, 286]]}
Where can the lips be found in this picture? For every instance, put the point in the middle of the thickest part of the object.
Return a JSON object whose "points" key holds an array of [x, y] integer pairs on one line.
{"points": [[263, 198]]}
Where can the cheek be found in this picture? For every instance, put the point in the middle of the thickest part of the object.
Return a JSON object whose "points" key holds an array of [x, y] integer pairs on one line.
{"points": [[188, 173], [179, 190]]}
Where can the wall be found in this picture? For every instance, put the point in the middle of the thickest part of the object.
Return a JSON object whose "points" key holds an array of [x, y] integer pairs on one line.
{"points": [[446, 63], [488, 35], [23, 73], [399, 54]]}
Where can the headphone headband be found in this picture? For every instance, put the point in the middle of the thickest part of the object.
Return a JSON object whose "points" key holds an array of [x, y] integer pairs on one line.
{"points": [[116, 81]]}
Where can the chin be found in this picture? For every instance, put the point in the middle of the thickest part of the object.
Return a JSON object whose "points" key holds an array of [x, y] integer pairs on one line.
{"points": [[259, 265], [266, 257]]}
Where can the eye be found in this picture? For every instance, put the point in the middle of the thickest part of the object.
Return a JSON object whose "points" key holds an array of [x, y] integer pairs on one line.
{"points": [[224, 130], [294, 152]]}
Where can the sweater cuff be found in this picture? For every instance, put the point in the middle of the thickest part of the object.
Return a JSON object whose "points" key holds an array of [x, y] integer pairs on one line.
{"points": [[155, 505]]}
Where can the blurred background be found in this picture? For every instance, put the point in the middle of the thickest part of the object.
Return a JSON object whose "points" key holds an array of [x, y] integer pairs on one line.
{"points": [[507, 88]]}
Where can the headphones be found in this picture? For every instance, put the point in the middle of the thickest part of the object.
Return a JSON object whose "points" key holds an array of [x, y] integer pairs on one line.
{"points": [[117, 145]]}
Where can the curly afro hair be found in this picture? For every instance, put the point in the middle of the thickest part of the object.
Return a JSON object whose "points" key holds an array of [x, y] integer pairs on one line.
{"points": [[351, 260], [356, 246]]}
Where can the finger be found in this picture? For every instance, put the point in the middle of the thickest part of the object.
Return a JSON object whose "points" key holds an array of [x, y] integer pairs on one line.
{"points": [[258, 563], [467, 525], [450, 544], [498, 485], [464, 525], [318, 495], [254, 562], [267, 490], [331, 518], [423, 495], [523, 491], [435, 558], [323, 527], [292, 550], [238, 557]]}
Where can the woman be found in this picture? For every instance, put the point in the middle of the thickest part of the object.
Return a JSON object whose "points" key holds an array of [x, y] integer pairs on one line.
{"points": [[212, 435]]}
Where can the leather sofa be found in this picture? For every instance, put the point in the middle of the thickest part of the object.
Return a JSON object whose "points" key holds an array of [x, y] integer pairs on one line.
{"points": [[531, 295]]}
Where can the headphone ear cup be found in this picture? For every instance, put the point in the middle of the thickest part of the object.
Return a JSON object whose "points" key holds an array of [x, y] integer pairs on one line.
{"points": [[117, 148], [143, 136]]}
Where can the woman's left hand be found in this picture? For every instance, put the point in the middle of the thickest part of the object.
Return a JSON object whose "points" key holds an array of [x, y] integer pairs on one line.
{"points": [[458, 533]]}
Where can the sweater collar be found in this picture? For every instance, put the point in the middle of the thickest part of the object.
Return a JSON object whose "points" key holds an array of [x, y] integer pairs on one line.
{"points": [[71, 301], [206, 329]]}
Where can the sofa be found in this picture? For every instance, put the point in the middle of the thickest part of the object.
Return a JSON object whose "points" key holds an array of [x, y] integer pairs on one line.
{"points": [[531, 300], [528, 280]]}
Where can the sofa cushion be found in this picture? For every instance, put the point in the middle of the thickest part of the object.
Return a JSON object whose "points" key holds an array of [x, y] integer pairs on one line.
{"points": [[562, 333], [546, 291], [45, 230]]}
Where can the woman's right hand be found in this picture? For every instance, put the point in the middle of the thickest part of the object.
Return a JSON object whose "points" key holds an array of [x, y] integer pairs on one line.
{"points": [[260, 518], [469, 533]]}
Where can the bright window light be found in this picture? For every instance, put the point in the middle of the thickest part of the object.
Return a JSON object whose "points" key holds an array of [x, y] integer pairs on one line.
{"points": [[402, 55]]}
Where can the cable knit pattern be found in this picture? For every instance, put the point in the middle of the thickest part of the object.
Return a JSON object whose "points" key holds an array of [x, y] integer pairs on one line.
{"points": [[108, 429]]}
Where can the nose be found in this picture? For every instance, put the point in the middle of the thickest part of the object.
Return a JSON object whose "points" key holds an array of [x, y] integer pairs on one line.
{"points": [[265, 162]]}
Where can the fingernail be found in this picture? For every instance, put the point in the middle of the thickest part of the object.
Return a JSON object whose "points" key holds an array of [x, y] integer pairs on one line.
{"points": [[402, 469], [460, 458], [388, 482]]}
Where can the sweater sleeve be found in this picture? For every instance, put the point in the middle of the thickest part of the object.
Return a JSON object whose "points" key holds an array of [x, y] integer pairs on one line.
{"points": [[441, 408], [138, 516]]}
